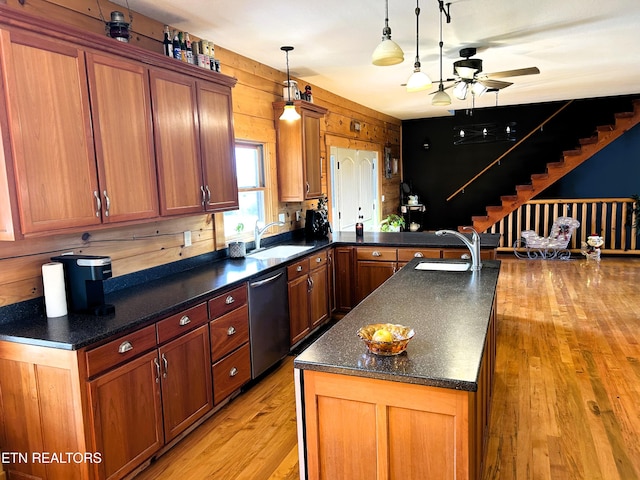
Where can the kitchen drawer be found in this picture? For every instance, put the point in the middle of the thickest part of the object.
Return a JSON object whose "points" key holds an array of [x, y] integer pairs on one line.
{"points": [[230, 373], [120, 350], [318, 259], [297, 269], [182, 322], [407, 254], [383, 254], [228, 301], [229, 332]]}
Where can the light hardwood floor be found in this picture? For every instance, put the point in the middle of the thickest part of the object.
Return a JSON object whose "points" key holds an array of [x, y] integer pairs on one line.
{"points": [[567, 391]]}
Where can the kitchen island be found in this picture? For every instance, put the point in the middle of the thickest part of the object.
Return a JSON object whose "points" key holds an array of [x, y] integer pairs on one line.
{"points": [[421, 414]]}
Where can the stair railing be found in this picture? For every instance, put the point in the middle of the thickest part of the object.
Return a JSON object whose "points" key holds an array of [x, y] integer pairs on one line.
{"points": [[516, 145], [611, 218]]}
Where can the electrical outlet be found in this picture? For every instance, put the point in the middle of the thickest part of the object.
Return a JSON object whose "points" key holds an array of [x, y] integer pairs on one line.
{"points": [[281, 217], [382, 198], [298, 212], [187, 238]]}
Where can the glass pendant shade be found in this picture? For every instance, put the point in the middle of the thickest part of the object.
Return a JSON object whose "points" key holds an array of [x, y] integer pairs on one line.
{"points": [[418, 81], [290, 114], [441, 98], [387, 53]]}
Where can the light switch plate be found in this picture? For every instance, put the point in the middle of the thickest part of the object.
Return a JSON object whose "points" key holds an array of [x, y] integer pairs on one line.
{"points": [[187, 238]]}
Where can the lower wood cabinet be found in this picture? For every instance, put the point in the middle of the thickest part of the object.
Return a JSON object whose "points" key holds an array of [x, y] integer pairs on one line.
{"points": [[148, 401], [308, 285], [373, 266], [230, 351]]}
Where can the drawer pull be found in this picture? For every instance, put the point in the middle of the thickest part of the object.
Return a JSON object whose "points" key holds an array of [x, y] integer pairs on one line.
{"points": [[231, 331], [185, 320], [418, 255], [318, 259], [229, 300], [376, 253], [125, 347], [233, 372], [299, 268]]}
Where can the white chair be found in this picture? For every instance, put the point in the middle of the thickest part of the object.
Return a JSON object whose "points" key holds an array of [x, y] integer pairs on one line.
{"points": [[551, 247]]}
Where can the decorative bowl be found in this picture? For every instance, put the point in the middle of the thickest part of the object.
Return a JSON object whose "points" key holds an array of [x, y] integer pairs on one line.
{"points": [[401, 336]]}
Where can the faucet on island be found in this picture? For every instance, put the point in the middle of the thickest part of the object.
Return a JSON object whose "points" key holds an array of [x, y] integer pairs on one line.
{"points": [[473, 245], [257, 231]]}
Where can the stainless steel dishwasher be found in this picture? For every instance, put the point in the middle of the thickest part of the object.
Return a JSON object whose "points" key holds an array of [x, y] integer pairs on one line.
{"points": [[268, 320]]}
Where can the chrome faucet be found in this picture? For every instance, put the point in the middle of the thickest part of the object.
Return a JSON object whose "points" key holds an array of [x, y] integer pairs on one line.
{"points": [[257, 231], [473, 245]]}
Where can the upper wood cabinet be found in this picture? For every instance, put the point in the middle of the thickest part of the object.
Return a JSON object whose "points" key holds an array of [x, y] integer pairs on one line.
{"points": [[195, 144], [82, 144], [49, 133], [298, 152], [123, 135]]}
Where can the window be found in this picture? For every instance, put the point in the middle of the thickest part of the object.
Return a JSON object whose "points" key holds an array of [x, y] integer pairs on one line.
{"points": [[251, 190]]}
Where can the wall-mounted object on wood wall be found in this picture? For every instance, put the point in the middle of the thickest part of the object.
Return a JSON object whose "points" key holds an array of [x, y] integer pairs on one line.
{"points": [[355, 126], [484, 133]]}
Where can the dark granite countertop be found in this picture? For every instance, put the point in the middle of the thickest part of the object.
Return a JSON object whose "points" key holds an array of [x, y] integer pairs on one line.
{"points": [[140, 304], [450, 313]]}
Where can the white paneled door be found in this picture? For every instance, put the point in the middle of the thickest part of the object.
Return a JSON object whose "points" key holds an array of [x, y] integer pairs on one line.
{"points": [[354, 174]]}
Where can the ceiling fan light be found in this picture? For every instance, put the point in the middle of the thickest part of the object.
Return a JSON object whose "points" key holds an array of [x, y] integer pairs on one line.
{"points": [[441, 98], [465, 73], [478, 89], [418, 81], [387, 53], [290, 114], [460, 90]]}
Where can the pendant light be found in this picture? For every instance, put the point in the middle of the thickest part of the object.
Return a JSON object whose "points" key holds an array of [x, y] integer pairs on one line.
{"points": [[387, 52], [441, 98], [289, 114], [418, 80]]}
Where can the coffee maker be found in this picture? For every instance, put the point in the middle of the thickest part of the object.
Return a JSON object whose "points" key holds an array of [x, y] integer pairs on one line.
{"points": [[84, 276]]}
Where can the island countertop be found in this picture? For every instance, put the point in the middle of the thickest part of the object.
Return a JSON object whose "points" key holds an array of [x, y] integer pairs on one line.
{"points": [[450, 313]]}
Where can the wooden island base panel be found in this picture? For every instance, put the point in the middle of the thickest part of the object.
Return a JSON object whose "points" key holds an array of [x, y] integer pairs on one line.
{"points": [[421, 414]]}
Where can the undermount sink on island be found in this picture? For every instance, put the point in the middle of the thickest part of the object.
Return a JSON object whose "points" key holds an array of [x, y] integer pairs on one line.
{"points": [[420, 414], [444, 266]]}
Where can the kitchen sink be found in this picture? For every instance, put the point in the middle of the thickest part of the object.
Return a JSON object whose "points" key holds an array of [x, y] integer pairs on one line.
{"points": [[280, 251], [444, 266]]}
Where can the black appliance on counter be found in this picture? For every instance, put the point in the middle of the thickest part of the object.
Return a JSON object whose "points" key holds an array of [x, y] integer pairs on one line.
{"points": [[317, 224], [84, 277]]}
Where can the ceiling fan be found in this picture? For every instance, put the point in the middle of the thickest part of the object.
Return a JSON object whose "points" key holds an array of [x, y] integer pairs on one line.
{"points": [[469, 76]]}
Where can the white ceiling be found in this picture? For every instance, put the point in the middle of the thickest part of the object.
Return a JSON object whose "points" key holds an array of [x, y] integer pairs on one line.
{"points": [[583, 48]]}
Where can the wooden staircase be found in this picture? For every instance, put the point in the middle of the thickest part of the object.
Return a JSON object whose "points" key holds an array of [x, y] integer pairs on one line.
{"points": [[571, 159]]}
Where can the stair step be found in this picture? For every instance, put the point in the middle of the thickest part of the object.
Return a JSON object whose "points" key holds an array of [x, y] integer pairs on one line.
{"points": [[605, 128], [623, 115], [494, 208], [521, 188], [555, 165], [570, 153], [589, 141], [480, 218], [539, 176]]}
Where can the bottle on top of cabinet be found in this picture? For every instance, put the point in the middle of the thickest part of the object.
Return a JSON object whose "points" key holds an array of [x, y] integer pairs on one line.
{"points": [[167, 42], [177, 54], [188, 48], [360, 224]]}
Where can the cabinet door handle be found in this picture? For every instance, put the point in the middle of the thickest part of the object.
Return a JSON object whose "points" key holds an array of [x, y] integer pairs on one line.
{"points": [[98, 203], [376, 253], [125, 347], [308, 188], [155, 360], [166, 366], [309, 284], [107, 202], [229, 300], [206, 187], [231, 331], [204, 196], [233, 372], [418, 255], [185, 320], [299, 268]]}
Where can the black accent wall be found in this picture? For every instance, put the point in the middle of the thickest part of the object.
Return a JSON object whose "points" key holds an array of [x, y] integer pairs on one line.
{"points": [[437, 172]]}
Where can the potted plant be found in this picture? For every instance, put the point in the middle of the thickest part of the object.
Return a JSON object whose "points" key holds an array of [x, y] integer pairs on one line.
{"points": [[393, 223], [238, 249]]}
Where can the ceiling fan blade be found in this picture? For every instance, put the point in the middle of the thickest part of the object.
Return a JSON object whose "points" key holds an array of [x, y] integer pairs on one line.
{"points": [[495, 84], [445, 88], [514, 73]]}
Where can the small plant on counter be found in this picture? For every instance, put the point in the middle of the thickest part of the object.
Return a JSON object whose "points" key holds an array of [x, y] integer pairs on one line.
{"points": [[238, 249], [393, 223]]}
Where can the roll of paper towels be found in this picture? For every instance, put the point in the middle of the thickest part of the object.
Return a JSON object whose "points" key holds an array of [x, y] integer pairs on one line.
{"points": [[55, 297]]}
